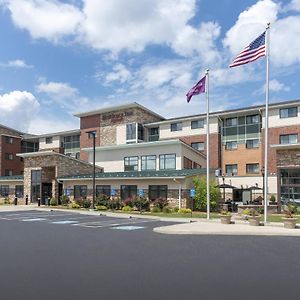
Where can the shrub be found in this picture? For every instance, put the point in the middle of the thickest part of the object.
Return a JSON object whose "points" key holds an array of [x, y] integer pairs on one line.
{"points": [[200, 197], [175, 209], [290, 210], [184, 211], [160, 203], [128, 202], [64, 200], [102, 200], [166, 210], [75, 205], [155, 209], [246, 212], [6, 201], [272, 199], [53, 202], [141, 203], [127, 208], [101, 207], [85, 203]]}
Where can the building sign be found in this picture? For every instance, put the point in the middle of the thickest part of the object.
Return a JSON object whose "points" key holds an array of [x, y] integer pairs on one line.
{"points": [[141, 192], [192, 193], [113, 192], [116, 117]]}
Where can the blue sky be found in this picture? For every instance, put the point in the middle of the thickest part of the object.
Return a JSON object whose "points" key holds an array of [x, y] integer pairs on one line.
{"points": [[61, 57]]}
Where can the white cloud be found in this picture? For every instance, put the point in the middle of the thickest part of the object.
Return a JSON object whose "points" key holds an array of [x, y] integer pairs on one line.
{"points": [[17, 63], [17, 109], [250, 24], [293, 5], [42, 125], [120, 73], [49, 19], [57, 89]]}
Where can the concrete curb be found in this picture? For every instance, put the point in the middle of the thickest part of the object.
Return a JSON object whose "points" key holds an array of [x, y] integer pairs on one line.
{"points": [[212, 228]]}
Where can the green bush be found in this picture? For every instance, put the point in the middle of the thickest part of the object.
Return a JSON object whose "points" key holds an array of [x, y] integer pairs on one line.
{"points": [[155, 209], [64, 200], [160, 203], [85, 203], [200, 197], [75, 205], [102, 200], [184, 211], [175, 209], [127, 208], [53, 202], [101, 207], [272, 199], [166, 210], [6, 201]]}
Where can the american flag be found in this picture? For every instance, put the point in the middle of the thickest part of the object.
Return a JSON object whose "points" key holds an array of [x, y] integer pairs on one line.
{"points": [[255, 50]]}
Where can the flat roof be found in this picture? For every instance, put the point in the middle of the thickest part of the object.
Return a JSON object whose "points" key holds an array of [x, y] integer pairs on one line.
{"points": [[139, 174], [247, 109], [116, 108], [59, 133]]}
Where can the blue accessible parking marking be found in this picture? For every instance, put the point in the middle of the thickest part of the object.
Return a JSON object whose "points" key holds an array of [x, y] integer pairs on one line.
{"points": [[64, 222], [128, 227], [34, 220]]}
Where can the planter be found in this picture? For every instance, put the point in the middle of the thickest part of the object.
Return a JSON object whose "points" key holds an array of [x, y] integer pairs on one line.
{"points": [[254, 220], [289, 223], [225, 219]]}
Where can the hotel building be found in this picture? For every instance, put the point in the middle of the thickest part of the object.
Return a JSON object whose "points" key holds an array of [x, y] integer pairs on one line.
{"points": [[141, 152]]}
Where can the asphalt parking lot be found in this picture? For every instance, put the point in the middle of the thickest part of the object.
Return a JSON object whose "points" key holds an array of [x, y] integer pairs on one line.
{"points": [[57, 255]]}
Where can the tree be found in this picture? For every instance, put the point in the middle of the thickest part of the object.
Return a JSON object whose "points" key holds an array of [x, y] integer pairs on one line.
{"points": [[201, 192]]}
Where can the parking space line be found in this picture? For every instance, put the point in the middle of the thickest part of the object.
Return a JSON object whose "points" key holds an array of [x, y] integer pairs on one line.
{"points": [[93, 225]]}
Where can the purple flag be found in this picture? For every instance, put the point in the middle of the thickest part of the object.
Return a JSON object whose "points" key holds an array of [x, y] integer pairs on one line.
{"points": [[197, 89]]}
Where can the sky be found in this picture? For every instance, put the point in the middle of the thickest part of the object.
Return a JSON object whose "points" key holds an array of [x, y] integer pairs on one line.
{"points": [[62, 57]]}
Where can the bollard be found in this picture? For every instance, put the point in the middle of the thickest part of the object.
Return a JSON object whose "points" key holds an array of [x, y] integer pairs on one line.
{"points": [[26, 200], [39, 201], [16, 201], [49, 201]]}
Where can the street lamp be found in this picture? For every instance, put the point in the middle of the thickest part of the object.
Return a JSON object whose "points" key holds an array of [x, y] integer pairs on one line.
{"points": [[92, 134]]}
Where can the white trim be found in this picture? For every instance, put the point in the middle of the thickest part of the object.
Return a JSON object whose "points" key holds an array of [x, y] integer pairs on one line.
{"points": [[124, 178]]}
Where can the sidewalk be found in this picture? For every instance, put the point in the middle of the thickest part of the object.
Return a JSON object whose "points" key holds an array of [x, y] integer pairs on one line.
{"points": [[216, 228]]}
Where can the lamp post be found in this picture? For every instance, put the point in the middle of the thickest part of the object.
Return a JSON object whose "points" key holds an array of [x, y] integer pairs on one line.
{"points": [[92, 134]]}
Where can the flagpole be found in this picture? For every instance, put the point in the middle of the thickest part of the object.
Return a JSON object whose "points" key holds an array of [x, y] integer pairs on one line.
{"points": [[207, 145], [266, 171]]}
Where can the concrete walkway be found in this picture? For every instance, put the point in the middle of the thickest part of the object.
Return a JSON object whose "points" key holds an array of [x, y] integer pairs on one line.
{"points": [[216, 228]]}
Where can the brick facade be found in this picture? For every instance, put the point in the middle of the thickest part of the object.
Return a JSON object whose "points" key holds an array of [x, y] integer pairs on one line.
{"points": [[274, 139], [16, 165], [214, 145]]}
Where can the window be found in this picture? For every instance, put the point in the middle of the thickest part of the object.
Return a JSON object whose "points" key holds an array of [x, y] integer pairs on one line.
{"points": [[71, 145], [176, 126], [131, 163], [288, 112], [149, 162], [128, 191], [102, 190], [80, 191], [8, 172], [158, 191], [134, 132], [288, 139], [187, 163], [198, 146], [167, 162], [9, 140], [49, 140], [9, 156], [231, 122], [29, 146], [252, 144], [197, 124], [231, 169], [254, 119], [231, 145], [153, 134], [252, 168], [36, 178], [4, 190], [19, 191]]}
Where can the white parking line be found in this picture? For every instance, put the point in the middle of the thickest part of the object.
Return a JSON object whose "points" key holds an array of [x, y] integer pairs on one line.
{"points": [[95, 225]]}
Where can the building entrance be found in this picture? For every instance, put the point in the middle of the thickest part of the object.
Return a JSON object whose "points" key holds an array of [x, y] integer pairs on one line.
{"points": [[46, 192]]}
